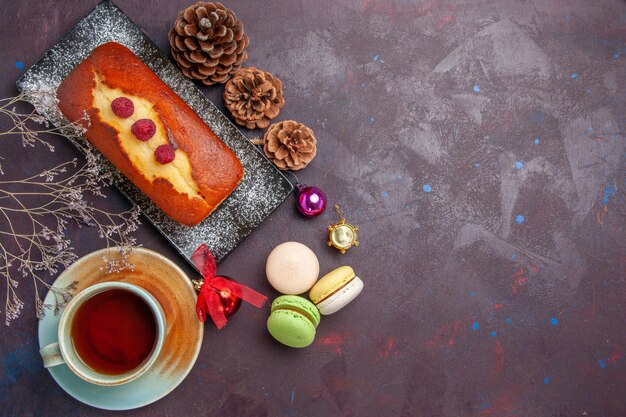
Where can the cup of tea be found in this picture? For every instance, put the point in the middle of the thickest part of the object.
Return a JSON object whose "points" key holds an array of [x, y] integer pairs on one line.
{"points": [[109, 334]]}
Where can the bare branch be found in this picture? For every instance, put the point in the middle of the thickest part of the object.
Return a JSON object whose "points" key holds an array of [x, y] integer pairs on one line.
{"points": [[35, 211]]}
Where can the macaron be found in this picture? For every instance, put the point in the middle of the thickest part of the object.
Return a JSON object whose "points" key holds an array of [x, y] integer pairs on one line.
{"points": [[292, 268], [335, 290], [293, 321]]}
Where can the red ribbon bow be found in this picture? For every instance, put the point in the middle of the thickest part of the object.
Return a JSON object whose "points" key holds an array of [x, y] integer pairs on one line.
{"points": [[209, 299]]}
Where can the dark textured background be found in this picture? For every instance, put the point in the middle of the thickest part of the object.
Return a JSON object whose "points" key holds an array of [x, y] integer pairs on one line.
{"points": [[440, 124]]}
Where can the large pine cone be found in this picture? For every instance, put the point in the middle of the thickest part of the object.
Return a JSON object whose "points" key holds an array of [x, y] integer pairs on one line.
{"points": [[208, 42], [254, 97], [290, 145]]}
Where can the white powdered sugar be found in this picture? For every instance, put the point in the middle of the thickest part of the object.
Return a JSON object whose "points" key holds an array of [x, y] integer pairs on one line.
{"points": [[263, 187]]}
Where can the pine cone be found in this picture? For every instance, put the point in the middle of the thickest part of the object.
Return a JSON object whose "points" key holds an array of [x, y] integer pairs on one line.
{"points": [[254, 97], [208, 42], [290, 145]]}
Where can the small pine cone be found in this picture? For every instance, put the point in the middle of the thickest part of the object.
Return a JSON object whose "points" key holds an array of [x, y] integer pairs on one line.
{"points": [[254, 97], [290, 145], [208, 42]]}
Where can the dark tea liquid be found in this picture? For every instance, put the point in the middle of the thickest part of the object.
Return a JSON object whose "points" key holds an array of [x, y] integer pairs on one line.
{"points": [[114, 331]]}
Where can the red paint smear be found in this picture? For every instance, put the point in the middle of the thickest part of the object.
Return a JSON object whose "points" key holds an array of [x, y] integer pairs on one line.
{"points": [[533, 267], [498, 306], [614, 357], [445, 335], [503, 405], [333, 341], [498, 359], [519, 282], [391, 342], [444, 21]]}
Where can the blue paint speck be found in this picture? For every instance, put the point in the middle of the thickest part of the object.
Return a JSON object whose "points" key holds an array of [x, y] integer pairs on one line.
{"points": [[476, 88], [538, 116], [519, 219], [372, 120], [19, 65], [362, 85], [537, 141], [17, 364], [513, 257], [546, 380], [554, 321], [603, 363], [385, 194], [590, 129], [293, 395], [399, 177], [484, 407], [494, 333], [574, 75], [616, 56], [519, 165], [376, 58], [609, 192], [509, 321], [477, 165], [427, 188], [472, 294], [475, 326]]}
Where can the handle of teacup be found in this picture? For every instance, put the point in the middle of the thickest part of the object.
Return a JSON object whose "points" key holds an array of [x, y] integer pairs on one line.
{"points": [[51, 355]]}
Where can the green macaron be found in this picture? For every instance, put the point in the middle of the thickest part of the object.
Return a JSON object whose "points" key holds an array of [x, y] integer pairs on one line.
{"points": [[293, 321]]}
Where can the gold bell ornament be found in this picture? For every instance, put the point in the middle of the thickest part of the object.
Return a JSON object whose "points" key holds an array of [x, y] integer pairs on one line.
{"points": [[342, 235]]}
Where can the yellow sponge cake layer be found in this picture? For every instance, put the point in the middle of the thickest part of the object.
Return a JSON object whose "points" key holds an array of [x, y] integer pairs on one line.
{"points": [[141, 154]]}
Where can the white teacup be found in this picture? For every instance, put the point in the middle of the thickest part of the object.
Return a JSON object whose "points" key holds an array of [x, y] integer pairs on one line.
{"points": [[63, 351]]}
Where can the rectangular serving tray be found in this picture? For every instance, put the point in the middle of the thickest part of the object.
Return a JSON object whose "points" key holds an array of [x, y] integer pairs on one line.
{"points": [[263, 187]]}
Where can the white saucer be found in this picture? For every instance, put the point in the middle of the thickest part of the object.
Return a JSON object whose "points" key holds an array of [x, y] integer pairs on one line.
{"points": [[173, 289]]}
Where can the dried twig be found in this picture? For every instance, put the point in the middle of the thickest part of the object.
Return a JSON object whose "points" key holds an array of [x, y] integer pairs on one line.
{"points": [[35, 212]]}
